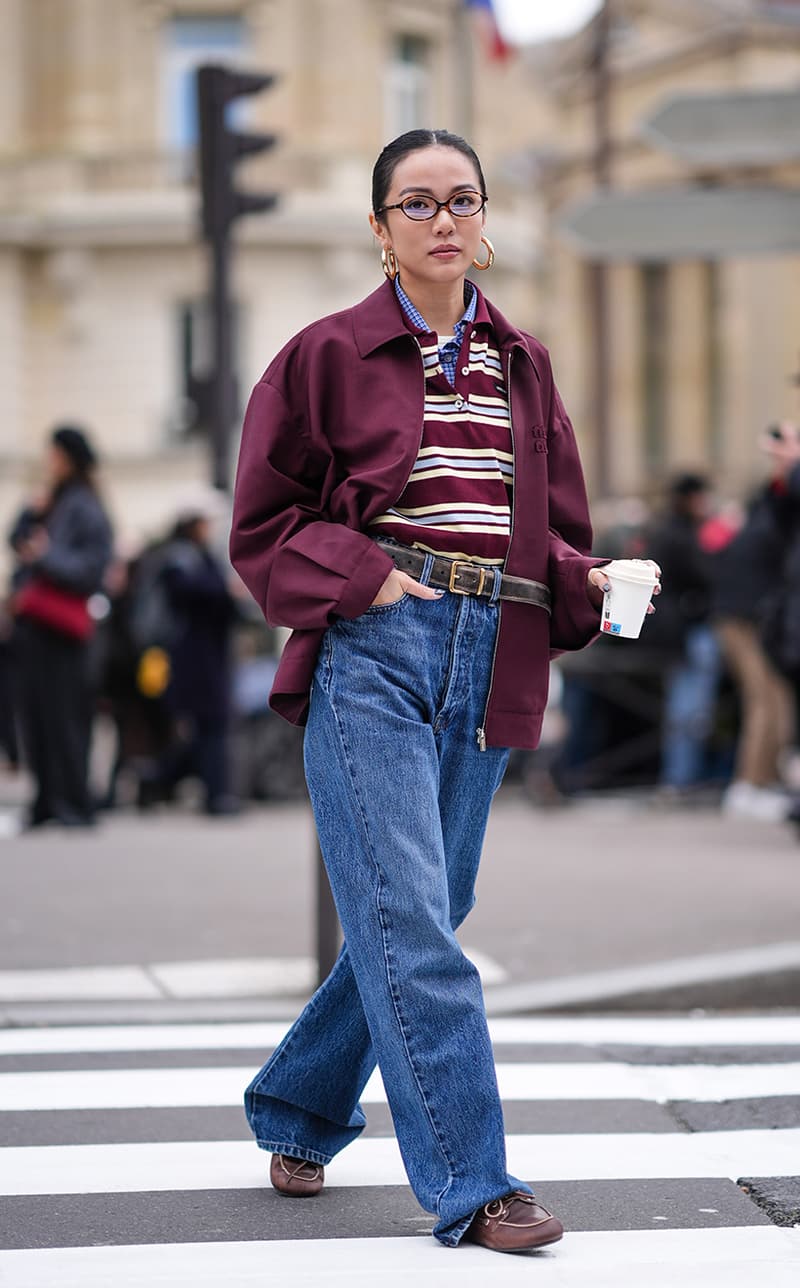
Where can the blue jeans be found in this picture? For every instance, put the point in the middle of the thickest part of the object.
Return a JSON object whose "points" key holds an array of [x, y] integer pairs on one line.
{"points": [[689, 708], [401, 795]]}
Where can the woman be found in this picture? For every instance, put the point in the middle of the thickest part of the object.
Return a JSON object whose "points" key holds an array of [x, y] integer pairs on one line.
{"points": [[374, 515], [62, 543]]}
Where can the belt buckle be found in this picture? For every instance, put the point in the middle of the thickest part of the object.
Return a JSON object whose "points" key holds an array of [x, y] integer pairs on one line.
{"points": [[454, 574]]}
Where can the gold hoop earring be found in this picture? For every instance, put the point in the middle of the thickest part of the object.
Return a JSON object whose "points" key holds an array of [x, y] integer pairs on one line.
{"points": [[389, 261], [490, 256]]}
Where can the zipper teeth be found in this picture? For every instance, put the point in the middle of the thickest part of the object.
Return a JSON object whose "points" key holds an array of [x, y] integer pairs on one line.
{"points": [[482, 730]]}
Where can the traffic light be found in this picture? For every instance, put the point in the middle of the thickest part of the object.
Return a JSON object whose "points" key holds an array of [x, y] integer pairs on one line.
{"points": [[221, 147]]}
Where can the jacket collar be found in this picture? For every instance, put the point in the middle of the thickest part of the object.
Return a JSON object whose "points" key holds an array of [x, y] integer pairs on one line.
{"points": [[379, 319]]}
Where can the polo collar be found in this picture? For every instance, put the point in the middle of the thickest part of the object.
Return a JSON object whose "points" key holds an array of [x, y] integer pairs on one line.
{"points": [[378, 319]]}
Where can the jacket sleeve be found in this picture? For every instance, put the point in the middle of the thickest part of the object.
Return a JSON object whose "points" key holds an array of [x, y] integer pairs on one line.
{"points": [[303, 570], [80, 547], [574, 621]]}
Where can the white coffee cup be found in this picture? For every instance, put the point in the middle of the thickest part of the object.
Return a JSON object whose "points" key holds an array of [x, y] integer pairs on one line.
{"points": [[632, 582]]}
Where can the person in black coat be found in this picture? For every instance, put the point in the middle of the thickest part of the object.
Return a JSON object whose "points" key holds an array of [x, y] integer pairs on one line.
{"points": [[202, 611], [62, 542], [682, 634]]}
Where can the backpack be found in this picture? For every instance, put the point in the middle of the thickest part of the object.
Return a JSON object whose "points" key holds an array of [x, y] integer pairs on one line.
{"points": [[151, 618]]}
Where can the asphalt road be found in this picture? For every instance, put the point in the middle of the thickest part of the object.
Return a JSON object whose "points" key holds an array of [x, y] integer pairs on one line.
{"points": [[668, 1145], [126, 1159], [592, 890]]}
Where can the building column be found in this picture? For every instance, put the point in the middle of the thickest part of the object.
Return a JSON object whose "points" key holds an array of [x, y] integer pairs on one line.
{"points": [[88, 54], [627, 471], [688, 412]]}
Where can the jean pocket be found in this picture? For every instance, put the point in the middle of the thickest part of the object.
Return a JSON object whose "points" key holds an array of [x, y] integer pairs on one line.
{"points": [[375, 610]]}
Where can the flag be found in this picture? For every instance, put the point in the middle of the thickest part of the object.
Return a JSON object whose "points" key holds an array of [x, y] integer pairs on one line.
{"points": [[485, 18]]}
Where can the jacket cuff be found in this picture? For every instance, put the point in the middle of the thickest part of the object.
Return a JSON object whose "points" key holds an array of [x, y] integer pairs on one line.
{"points": [[576, 622], [365, 580]]}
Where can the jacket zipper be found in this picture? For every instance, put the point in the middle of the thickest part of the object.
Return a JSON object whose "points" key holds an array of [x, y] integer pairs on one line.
{"points": [[480, 732]]}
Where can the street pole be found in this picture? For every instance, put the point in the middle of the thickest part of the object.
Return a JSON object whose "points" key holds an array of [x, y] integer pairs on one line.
{"points": [[221, 408], [464, 70], [220, 148], [598, 271]]}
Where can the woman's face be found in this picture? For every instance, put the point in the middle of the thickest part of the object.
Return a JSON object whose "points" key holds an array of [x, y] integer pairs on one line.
{"points": [[58, 465], [431, 250]]}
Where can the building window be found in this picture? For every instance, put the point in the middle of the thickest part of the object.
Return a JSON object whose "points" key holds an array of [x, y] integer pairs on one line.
{"points": [[408, 85], [188, 43], [655, 341]]}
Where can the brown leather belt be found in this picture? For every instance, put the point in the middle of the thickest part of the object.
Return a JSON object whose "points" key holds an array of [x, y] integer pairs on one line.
{"points": [[465, 578]]}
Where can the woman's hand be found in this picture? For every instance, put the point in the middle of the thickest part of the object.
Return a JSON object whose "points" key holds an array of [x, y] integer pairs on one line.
{"points": [[34, 547], [597, 584], [398, 584]]}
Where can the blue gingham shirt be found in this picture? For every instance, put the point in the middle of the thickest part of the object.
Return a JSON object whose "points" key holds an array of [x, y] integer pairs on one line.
{"points": [[448, 353]]}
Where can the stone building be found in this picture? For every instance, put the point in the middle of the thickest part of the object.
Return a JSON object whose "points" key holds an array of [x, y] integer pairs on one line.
{"points": [[102, 275], [665, 148], [667, 355]]}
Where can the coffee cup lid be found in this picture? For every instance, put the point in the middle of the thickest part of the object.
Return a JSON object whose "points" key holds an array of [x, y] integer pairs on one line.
{"points": [[639, 570]]}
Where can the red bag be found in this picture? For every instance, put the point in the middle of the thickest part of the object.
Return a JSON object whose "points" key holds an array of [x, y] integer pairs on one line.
{"points": [[61, 610]]}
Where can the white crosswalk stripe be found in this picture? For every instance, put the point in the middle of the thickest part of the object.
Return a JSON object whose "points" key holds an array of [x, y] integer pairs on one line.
{"points": [[160, 1202], [628, 1259], [202, 1165], [122, 1088]]}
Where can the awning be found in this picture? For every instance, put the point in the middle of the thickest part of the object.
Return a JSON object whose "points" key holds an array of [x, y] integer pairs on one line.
{"points": [[683, 223], [744, 128]]}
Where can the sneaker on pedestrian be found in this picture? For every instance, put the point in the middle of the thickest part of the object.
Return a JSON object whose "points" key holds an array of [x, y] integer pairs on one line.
{"points": [[766, 804]]}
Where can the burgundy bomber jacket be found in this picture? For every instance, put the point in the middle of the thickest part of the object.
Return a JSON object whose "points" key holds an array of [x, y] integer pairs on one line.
{"points": [[331, 434]]}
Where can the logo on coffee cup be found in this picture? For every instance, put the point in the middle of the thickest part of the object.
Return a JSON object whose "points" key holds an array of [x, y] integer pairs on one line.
{"points": [[613, 628]]}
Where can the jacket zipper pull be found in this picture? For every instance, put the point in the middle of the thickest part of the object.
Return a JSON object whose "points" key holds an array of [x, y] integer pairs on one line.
{"points": [[481, 736]]}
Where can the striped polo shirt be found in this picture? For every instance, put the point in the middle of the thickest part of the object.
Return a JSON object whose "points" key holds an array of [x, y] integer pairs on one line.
{"points": [[457, 501]]}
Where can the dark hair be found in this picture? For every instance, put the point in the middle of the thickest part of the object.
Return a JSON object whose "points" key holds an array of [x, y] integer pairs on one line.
{"points": [[414, 141], [75, 445], [688, 484]]}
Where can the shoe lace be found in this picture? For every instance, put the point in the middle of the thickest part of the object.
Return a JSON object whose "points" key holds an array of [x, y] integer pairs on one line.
{"points": [[499, 1208], [299, 1164]]}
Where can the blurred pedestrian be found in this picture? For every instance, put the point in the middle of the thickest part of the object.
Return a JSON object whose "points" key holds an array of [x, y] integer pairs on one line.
{"points": [[193, 592], [682, 633], [749, 578], [373, 516], [9, 744], [137, 715], [62, 544]]}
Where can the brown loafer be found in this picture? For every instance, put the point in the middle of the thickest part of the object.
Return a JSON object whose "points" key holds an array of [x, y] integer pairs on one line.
{"points": [[514, 1223], [296, 1176]]}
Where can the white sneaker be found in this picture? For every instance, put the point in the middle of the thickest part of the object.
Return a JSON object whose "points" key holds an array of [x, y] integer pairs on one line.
{"points": [[745, 800]]}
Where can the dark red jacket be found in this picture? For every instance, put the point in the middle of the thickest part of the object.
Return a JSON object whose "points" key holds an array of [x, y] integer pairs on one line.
{"points": [[330, 437]]}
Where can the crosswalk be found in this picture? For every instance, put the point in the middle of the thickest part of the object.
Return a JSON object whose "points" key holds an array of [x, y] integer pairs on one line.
{"points": [[669, 1147]]}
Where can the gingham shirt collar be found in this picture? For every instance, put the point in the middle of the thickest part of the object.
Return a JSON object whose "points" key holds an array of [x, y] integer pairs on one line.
{"points": [[448, 353]]}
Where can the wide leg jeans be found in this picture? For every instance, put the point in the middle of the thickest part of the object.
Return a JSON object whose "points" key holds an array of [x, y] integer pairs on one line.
{"points": [[401, 795]]}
